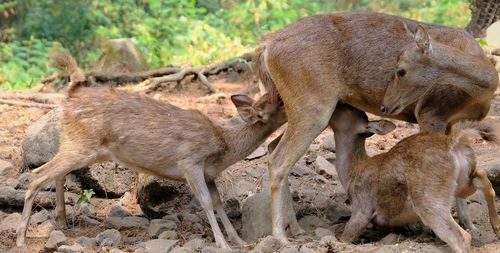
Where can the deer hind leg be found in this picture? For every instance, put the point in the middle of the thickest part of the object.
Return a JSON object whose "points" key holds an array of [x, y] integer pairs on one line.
{"points": [[60, 202], [303, 126], [56, 169], [481, 181], [463, 214], [231, 232]]}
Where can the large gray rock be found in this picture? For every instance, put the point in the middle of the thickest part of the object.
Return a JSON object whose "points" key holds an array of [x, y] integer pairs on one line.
{"points": [[108, 179], [158, 246], [56, 239], [109, 237], [157, 226], [127, 222], [11, 222], [494, 175], [324, 167], [120, 55], [195, 244], [156, 196], [41, 140]]}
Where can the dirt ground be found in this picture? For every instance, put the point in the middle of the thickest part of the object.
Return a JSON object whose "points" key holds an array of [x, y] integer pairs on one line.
{"points": [[245, 178]]}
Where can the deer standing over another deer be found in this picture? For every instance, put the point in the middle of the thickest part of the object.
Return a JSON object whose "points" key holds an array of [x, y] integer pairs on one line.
{"points": [[100, 124], [416, 179], [440, 73]]}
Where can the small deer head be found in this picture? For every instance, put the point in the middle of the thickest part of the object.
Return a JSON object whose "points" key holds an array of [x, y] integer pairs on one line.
{"points": [[348, 120], [416, 72], [261, 110]]}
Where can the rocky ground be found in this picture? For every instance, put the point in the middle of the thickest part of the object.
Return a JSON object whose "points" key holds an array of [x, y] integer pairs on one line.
{"points": [[132, 213]]}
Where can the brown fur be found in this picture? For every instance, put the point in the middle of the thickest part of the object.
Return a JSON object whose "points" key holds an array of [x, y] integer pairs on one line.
{"points": [[320, 60], [417, 178], [146, 135]]}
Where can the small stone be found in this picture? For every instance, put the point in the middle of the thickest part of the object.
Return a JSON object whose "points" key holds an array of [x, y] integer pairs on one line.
{"points": [[269, 244], [390, 239], [324, 167], [39, 217], [181, 250], [109, 237], [300, 170], [56, 239], [76, 248], [327, 142], [12, 182], [320, 232], [314, 148], [6, 168], [258, 153], [192, 218], [172, 217], [289, 249], [305, 249], [328, 239], [157, 226], [87, 210], [11, 222], [44, 229], [169, 235], [115, 250], [118, 211], [310, 222], [195, 244], [211, 249], [127, 222], [87, 242], [159, 245]]}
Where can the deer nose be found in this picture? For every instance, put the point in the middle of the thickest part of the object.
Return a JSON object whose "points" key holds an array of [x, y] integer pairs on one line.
{"points": [[383, 109]]}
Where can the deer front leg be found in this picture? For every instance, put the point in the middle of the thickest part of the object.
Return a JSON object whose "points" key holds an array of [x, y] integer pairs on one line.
{"points": [[60, 202], [358, 221], [231, 232], [194, 174]]}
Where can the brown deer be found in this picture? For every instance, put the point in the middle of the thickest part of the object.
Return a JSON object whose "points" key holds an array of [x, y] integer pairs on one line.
{"points": [[149, 136], [353, 57], [417, 179]]}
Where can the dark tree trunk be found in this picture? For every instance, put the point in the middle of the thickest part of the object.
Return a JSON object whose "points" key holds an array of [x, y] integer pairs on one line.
{"points": [[484, 13]]}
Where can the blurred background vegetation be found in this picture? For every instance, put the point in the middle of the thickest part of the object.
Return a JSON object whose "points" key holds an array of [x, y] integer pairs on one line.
{"points": [[169, 31]]}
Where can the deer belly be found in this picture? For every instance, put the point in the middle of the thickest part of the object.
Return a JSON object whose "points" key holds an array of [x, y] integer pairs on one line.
{"points": [[396, 217]]}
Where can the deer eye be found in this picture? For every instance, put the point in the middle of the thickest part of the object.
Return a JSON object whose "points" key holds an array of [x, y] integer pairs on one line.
{"points": [[401, 72]]}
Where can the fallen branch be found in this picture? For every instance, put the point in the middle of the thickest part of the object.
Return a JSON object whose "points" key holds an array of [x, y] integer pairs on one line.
{"points": [[26, 104], [13, 197]]}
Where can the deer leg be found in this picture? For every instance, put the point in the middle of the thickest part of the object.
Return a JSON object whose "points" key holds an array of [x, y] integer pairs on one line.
{"points": [[463, 214], [60, 202], [358, 221], [301, 131], [482, 182], [194, 174], [57, 168], [231, 232]]}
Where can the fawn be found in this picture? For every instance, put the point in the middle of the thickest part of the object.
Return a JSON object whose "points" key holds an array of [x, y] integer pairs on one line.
{"points": [[99, 124], [433, 75], [417, 178]]}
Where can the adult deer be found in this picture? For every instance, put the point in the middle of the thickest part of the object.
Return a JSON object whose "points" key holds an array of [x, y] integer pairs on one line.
{"points": [[441, 72]]}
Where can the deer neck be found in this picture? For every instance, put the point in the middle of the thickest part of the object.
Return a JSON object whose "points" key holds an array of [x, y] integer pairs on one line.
{"points": [[350, 150], [244, 138]]}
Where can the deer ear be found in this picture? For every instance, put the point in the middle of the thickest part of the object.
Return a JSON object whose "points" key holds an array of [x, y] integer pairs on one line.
{"points": [[423, 40], [380, 127], [245, 110]]}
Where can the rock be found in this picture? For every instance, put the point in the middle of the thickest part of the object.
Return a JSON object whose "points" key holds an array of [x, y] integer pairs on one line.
{"points": [[39, 217], [11, 222], [169, 235], [313, 148], [127, 222], [300, 170], [327, 142], [159, 245], [122, 56], [269, 244], [87, 242], [232, 208], [493, 172], [258, 153], [321, 232], [115, 250], [195, 244], [56, 239], [75, 248], [211, 249], [289, 249], [324, 167], [156, 195], [41, 140], [109, 237], [310, 222], [256, 214], [118, 211], [44, 229], [306, 249], [11, 182], [6, 168], [496, 51], [127, 200], [328, 239], [87, 210], [24, 182], [172, 217], [108, 179], [390, 239], [157, 226], [181, 250]]}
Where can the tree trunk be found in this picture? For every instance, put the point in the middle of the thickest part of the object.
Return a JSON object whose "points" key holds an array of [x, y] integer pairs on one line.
{"points": [[484, 13]]}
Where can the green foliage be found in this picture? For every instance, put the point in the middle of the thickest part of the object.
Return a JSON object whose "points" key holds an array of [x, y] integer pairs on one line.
{"points": [[172, 31], [85, 196]]}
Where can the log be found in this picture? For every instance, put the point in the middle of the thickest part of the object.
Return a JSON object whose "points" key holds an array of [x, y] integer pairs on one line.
{"points": [[12, 197]]}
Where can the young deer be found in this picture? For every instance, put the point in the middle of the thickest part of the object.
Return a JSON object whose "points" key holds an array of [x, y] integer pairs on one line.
{"points": [[353, 57], [417, 178], [149, 136]]}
